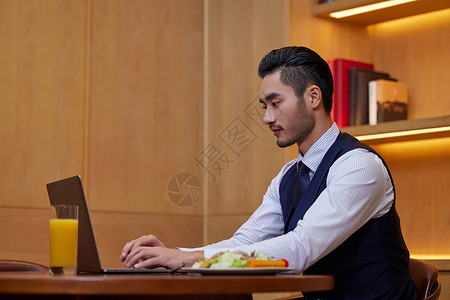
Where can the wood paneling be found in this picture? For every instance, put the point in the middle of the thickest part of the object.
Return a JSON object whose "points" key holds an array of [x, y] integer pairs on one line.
{"points": [[41, 97], [114, 229], [240, 34], [331, 39], [223, 227], [146, 120], [25, 234]]}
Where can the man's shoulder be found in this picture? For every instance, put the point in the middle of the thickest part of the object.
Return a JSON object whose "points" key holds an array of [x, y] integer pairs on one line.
{"points": [[349, 142], [287, 166]]}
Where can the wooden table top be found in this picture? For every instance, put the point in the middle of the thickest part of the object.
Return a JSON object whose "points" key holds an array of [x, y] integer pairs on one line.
{"points": [[157, 284]]}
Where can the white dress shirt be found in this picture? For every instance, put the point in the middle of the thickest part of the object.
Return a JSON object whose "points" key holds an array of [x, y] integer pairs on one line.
{"points": [[358, 189]]}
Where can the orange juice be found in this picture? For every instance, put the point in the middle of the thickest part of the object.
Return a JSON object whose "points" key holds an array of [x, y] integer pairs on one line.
{"points": [[63, 242]]}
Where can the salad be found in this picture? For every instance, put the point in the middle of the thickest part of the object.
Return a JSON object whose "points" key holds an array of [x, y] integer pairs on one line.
{"points": [[226, 260]]}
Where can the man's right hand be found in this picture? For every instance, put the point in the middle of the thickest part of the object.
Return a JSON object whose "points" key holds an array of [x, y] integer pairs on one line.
{"points": [[148, 252], [146, 241]]}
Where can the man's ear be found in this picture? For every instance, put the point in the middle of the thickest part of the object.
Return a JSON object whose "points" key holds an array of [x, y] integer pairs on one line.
{"points": [[315, 95]]}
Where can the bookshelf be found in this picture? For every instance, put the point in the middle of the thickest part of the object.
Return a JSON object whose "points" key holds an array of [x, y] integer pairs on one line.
{"points": [[396, 131], [382, 15], [404, 130]]}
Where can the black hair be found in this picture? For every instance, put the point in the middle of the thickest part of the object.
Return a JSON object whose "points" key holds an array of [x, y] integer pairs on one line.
{"points": [[299, 68]]}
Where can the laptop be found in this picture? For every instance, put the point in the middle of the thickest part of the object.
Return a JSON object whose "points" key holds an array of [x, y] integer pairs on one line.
{"points": [[70, 191]]}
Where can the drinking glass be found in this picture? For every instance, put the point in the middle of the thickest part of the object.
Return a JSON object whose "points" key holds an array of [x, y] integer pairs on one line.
{"points": [[63, 239]]}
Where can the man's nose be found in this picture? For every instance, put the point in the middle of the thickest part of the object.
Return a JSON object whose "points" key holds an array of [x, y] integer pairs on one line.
{"points": [[269, 117]]}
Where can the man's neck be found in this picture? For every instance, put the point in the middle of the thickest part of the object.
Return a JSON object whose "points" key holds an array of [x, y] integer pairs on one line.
{"points": [[319, 129]]}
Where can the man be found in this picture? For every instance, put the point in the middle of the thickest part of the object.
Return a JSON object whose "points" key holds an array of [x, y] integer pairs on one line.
{"points": [[330, 211]]}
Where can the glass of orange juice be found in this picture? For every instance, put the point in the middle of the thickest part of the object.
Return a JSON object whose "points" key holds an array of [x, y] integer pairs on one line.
{"points": [[63, 239]]}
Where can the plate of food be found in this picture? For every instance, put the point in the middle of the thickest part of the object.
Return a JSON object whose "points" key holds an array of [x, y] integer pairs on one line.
{"points": [[238, 263]]}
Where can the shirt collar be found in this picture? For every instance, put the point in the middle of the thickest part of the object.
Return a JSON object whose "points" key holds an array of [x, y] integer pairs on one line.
{"points": [[315, 154]]}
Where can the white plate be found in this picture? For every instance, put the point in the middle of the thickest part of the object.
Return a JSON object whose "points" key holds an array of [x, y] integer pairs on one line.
{"points": [[237, 271]]}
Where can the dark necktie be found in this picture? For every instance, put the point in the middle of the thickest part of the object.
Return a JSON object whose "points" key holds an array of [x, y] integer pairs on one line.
{"points": [[302, 182]]}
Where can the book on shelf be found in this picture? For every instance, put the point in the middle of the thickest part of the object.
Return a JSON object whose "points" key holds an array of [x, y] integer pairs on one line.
{"points": [[340, 68], [388, 101], [359, 93]]}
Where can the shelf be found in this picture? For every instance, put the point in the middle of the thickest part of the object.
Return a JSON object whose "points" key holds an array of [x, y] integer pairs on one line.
{"points": [[382, 15], [404, 130]]}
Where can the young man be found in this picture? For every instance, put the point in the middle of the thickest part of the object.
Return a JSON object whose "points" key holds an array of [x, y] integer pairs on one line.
{"points": [[330, 211]]}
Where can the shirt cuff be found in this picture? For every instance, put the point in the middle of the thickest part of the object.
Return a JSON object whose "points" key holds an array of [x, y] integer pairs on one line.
{"points": [[207, 252], [189, 249]]}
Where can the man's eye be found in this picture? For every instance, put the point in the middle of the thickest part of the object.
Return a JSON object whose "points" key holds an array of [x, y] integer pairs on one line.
{"points": [[275, 104]]}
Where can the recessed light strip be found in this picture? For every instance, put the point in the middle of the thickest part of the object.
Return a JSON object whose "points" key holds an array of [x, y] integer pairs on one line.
{"points": [[367, 8], [431, 256], [402, 133]]}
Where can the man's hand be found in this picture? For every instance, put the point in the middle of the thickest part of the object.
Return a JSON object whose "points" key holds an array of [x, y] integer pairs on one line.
{"points": [[152, 253], [146, 240]]}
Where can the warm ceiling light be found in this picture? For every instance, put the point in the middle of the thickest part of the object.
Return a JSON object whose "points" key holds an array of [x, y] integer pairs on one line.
{"points": [[367, 8], [402, 133]]}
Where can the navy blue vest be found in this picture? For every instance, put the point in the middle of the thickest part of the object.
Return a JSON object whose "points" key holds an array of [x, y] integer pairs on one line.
{"points": [[373, 262]]}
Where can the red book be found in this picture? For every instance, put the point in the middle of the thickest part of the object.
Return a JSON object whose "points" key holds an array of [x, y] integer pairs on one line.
{"points": [[340, 68]]}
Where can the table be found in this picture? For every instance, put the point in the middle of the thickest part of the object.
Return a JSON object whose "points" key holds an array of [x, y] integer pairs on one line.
{"points": [[37, 285]]}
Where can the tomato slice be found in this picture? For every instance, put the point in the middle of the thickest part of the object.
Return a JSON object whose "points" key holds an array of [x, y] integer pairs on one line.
{"points": [[286, 263]]}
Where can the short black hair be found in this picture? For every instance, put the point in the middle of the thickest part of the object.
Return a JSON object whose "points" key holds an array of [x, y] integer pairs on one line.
{"points": [[299, 68]]}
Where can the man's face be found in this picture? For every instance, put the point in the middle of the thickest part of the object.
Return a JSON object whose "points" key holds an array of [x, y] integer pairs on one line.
{"points": [[286, 115]]}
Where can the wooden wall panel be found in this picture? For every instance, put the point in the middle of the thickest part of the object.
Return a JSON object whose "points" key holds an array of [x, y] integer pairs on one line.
{"points": [[420, 59], [114, 229], [146, 102], [24, 234], [41, 97], [240, 34], [331, 39], [222, 227]]}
